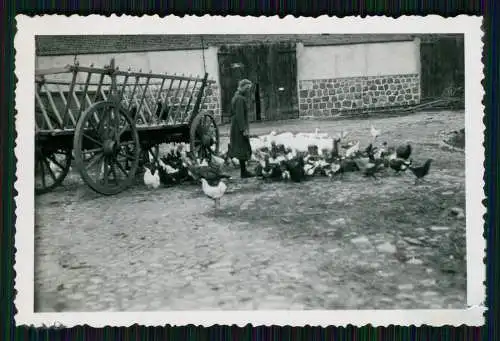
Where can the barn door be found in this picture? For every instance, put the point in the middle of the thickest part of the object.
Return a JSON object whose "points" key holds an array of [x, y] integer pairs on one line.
{"points": [[235, 64], [283, 70], [442, 65], [272, 67]]}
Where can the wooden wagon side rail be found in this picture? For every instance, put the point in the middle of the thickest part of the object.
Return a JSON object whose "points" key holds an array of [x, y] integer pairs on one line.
{"points": [[117, 72]]}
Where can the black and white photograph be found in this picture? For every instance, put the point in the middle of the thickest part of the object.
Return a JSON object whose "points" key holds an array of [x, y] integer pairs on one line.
{"points": [[250, 171]]}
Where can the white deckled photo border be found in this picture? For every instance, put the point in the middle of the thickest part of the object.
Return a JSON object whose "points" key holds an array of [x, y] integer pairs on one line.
{"points": [[24, 43]]}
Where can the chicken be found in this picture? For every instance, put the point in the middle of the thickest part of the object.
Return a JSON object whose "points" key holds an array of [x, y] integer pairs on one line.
{"points": [[421, 171], [351, 151], [404, 152], [333, 170], [285, 175], [214, 192], [309, 169], [210, 174], [370, 152], [170, 175], [151, 180], [399, 165], [374, 132], [342, 135], [369, 168], [216, 161], [335, 149], [296, 168], [319, 135]]}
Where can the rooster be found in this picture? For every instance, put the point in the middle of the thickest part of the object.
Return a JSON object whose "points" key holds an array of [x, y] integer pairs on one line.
{"points": [[421, 171]]}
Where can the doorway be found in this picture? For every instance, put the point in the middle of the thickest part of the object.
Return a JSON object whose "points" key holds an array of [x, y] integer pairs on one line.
{"points": [[273, 70]]}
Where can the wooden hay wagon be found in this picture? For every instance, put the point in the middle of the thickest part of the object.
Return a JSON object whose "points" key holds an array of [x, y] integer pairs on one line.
{"points": [[107, 120]]}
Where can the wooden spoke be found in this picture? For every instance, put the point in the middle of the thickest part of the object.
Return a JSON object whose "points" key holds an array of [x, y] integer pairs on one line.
{"points": [[51, 167], [92, 139], [96, 158], [95, 150]]}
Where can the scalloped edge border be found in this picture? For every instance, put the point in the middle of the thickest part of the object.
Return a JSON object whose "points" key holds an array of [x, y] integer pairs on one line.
{"points": [[40, 320]]}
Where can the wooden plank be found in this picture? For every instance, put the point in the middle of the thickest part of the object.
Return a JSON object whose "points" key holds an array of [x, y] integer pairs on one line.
{"points": [[53, 71]]}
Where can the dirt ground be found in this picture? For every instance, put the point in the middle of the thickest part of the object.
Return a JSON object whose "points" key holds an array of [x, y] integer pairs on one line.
{"points": [[342, 244]]}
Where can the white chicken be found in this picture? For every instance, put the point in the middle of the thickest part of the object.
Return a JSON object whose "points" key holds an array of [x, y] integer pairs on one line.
{"points": [[319, 135], [214, 192], [352, 150], [374, 132], [309, 169], [342, 135], [151, 180]]}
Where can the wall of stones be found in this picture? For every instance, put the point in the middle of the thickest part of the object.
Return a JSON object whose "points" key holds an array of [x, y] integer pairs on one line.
{"points": [[212, 101], [342, 96]]}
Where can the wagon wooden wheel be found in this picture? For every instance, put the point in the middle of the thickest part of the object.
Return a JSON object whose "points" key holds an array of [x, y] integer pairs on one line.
{"points": [[105, 140], [204, 135], [51, 167]]}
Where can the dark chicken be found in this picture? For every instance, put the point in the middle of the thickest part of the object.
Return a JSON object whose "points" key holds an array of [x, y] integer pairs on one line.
{"points": [[335, 150], [370, 152], [296, 169], [211, 174], [421, 171], [399, 165], [368, 168], [404, 152]]}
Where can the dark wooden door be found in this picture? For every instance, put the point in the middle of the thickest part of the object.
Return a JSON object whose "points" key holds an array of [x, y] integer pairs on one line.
{"points": [[272, 67], [442, 65]]}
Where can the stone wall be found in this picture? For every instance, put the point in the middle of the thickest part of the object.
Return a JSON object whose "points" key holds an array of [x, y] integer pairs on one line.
{"points": [[335, 97], [212, 101]]}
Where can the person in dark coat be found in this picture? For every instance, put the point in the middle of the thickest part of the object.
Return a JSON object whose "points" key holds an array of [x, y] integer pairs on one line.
{"points": [[239, 143]]}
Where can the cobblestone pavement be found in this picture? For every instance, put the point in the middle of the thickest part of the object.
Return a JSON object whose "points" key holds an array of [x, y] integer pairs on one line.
{"points": [[347, 244]]}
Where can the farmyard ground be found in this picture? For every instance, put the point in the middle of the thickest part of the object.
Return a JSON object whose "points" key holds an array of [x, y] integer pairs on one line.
{"points": [[347, 244]]}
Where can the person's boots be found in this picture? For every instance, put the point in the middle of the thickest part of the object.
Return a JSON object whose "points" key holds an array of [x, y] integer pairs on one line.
{"points": [[244, 172]]}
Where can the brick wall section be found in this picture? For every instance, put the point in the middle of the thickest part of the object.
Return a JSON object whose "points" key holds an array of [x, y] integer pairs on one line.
{"points": [[89, 44], [335, 97]]}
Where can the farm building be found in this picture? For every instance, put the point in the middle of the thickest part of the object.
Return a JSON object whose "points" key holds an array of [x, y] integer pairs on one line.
{"points": [[296, 76]]}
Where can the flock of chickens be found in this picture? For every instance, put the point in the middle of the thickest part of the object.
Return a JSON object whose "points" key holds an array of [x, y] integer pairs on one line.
{"points": [[286, 157]]}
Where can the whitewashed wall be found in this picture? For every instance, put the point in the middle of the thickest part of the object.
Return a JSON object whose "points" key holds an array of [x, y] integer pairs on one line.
{"points": [[181, 62], [357, 60]]}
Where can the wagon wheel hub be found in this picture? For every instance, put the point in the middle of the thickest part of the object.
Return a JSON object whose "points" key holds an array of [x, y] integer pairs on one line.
{"points": [[206, 139], [110, 147]]}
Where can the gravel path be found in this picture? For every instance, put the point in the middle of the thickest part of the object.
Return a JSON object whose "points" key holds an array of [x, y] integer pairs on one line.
{"points": [[349, 244]]}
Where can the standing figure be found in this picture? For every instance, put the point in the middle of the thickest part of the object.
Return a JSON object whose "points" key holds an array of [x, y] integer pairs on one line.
{"points": [[239, 144]]}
